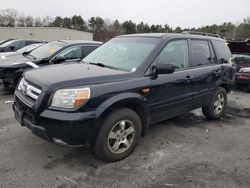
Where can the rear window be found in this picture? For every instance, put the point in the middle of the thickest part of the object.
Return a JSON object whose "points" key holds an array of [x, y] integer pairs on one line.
{"points": [[222, 51]]}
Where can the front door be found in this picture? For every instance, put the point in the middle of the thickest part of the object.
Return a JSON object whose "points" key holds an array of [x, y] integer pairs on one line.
{"points": [[172, 93]]}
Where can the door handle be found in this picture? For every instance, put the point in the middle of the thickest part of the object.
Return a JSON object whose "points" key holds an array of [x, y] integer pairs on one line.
{"points": [[189, 77], [217, 71]]}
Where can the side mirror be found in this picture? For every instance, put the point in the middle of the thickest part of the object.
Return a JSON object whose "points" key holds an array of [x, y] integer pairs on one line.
{"points": [[58, 60], [12, 48], [164, 69]]}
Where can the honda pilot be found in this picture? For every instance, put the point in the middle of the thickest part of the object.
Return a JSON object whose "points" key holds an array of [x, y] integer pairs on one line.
{"points": [[109, 99]]}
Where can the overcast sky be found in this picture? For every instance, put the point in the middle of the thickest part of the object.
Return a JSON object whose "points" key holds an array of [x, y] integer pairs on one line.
{"points": [[184, 13]]}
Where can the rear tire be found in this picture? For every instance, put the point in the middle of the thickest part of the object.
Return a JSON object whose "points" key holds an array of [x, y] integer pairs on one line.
{"points": [[119, 135], [217, 107]]}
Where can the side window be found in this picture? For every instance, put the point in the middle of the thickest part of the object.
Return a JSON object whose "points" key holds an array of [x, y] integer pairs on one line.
{"points": [[88, 49], [71, 53], [200, 53], [222, 50], [18, 44], [30, 42], [175, 53]]}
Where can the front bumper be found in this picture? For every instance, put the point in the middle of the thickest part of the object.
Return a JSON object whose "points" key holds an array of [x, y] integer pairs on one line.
{"points": [[70, 129]]}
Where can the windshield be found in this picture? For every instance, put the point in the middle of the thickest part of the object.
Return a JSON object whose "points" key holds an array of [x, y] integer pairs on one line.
{"points": [[29, 48], [7, 43], [123, 53], [47, 50]]}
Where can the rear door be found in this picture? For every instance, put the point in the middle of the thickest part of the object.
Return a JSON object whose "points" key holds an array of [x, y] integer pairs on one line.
{"points": [[207, 71]]}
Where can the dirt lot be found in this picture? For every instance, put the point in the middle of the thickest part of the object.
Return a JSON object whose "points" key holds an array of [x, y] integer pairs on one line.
{"points": [[187, 151]]}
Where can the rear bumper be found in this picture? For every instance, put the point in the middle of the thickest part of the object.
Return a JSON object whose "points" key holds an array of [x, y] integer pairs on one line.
{"points": [[242, 78], [69, 129]]}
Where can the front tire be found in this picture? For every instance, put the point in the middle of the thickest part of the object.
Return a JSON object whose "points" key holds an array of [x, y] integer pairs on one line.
{"points": [[119, 135], [217, 106]]}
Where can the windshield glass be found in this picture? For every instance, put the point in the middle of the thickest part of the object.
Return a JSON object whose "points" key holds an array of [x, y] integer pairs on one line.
{"points": [[28, 48], [47, 50], [7, 43], [123, 53]]}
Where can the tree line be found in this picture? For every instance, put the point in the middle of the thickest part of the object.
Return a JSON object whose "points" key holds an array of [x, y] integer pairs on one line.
{"points": [[104, 29]]}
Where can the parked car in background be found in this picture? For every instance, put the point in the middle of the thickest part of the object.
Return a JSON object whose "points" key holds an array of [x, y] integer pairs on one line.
{"points": [[54, 52], [130, 82], [4, 40], [241, 57], [14, 45], [239, 46], [242, 63], [26, 49]]}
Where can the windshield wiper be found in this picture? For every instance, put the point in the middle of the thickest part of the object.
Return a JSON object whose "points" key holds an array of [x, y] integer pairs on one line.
{"points": [[103, 65]]}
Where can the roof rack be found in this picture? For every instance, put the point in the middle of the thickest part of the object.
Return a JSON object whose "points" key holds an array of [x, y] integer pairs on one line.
{"points": [[201, 33]]}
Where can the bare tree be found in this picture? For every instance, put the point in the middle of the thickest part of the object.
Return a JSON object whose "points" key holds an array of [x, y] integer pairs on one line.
{"points": [[38, 22], [8, 17], [21, 20]]}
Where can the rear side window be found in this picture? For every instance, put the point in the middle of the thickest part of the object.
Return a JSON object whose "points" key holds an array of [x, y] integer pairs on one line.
{"points": [[222, 51], [175, 53], [200, 53], [18, 44], [88, 49], [71, 53]]}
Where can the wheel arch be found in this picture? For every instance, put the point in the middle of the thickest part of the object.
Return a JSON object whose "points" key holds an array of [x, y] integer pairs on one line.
{"points": [[133, 101]]}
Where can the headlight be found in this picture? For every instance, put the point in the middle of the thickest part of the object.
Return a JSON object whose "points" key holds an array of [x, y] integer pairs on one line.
{"points": [[70, 98], [245, 69]]}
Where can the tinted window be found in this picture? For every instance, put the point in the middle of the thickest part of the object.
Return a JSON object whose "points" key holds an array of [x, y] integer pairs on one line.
{"points": [[18, 44], [88, 49], [222, 50], [200, 53], [176, 53], [71, 53]]}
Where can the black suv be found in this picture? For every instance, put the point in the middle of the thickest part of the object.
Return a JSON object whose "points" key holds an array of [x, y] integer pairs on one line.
{"points": [[12, 67], [14, 45], [128, 83]]}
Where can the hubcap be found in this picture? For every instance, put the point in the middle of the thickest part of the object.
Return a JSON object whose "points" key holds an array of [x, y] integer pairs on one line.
{"points": [[121, 136], [219, 104]]}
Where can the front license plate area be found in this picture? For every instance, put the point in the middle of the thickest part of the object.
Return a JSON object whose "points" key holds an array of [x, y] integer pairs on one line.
{"points": [[18, 115]]}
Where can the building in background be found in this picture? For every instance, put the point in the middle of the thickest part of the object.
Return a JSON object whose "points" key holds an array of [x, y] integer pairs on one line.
{"points": [[44, 33]]}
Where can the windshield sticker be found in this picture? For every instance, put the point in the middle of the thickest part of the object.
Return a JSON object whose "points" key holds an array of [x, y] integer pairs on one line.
{"points": [[52, 50]]}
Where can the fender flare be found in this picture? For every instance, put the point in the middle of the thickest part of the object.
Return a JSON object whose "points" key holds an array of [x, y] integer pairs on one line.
{"points": [[121, 100]]}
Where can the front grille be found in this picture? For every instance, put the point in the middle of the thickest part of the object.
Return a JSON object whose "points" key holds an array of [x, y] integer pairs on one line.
{"points": [[28, 90]]}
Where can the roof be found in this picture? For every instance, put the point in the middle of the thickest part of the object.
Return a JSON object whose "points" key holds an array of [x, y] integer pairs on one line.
{"points": [[163, 35], [80, 42]]}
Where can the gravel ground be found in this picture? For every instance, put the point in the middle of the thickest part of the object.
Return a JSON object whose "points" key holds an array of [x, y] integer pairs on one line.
{"points": [[188, 151]]}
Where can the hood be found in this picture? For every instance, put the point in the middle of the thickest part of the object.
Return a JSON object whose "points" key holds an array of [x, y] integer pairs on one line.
{"points": [[70, 75], [12, 60], [5, 54]]}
